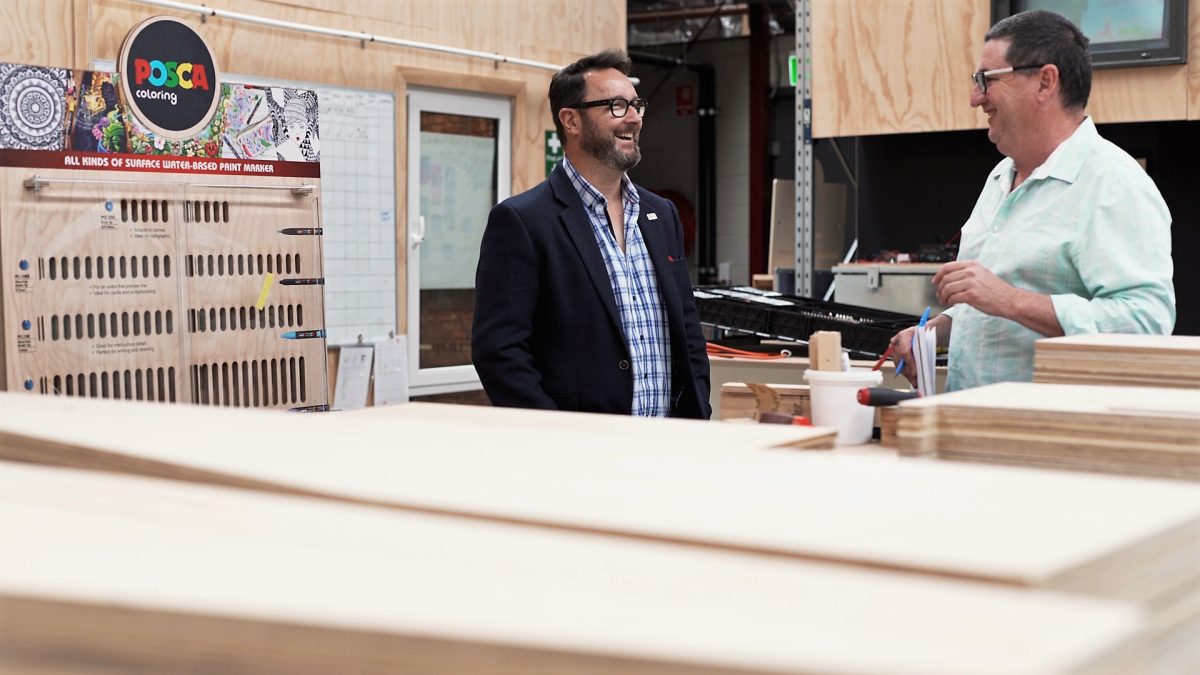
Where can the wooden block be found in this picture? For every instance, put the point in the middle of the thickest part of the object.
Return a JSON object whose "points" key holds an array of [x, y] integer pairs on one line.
{"points": [[828, 350]]}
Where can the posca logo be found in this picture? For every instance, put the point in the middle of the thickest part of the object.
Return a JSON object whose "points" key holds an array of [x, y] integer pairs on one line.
{"points": [[169, 77]]}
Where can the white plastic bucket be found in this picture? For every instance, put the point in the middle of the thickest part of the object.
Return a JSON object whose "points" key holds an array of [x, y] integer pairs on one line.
{"points": [[834, 402]]}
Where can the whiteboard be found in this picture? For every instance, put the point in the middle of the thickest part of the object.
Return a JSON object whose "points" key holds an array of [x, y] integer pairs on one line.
{"points": [[358, 207], [358, 188]]}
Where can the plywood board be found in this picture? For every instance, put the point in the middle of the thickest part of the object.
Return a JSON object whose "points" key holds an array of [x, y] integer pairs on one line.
{"points": [[902, 66], [1135, 360], [591, 430], [219, 580], [690, 483], [1137, 431]]}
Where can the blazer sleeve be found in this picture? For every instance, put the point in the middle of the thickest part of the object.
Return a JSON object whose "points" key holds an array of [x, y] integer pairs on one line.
{"points": [[506, 293]]}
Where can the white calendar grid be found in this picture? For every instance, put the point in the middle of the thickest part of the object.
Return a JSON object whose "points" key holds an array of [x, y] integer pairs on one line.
{"points": [[358, 186]]}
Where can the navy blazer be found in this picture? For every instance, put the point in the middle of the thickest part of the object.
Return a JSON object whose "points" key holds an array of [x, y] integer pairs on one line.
{"points": [[546, 331]]}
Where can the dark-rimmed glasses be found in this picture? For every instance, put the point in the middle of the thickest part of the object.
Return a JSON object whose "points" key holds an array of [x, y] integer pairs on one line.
{"points": [[617, 106], [982, 77]]}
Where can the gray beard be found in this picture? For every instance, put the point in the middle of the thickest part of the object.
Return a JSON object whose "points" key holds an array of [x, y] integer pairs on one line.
{"points": [[604, 149]]}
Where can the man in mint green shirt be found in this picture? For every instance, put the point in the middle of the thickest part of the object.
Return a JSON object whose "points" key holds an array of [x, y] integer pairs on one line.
{"points": [[1069, 234]]}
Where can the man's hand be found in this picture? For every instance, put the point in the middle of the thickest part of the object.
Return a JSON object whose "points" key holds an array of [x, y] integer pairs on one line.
{"points": [[968, 282], [902, 343]]}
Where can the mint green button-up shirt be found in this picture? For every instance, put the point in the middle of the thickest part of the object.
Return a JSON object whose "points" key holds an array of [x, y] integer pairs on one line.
{"points": [[1088, 228]]}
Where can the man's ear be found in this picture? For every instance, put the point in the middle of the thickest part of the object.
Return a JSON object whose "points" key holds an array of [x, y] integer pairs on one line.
{"points": [[1048, 82], [569, 117]]}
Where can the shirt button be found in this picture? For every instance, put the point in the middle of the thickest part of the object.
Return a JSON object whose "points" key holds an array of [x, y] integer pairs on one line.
{"points": [[623, 365]]}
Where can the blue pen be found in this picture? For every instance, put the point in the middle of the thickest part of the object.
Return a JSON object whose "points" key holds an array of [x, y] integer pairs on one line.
{"points": [[920, 324], [301, 334]]}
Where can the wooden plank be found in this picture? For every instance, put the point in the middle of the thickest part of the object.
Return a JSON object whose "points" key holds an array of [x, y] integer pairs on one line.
{"points": [[124, 574], [690, 482]]}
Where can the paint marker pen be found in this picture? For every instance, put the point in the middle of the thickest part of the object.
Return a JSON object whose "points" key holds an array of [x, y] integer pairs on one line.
{"points": [[311, 281], [302, 230], [302, 334]]}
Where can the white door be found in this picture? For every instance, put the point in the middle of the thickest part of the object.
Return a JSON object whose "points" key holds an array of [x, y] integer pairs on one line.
{"points": [[459, 166]]}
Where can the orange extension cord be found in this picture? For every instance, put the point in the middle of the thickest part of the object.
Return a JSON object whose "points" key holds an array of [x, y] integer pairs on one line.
{"points": [[724, 352]]}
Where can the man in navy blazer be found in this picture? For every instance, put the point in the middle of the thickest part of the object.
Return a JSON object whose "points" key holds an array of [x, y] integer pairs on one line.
{"points": [[582, 296]]}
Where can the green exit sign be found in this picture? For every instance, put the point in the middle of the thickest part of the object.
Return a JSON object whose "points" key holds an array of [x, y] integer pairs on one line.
{"points": [[554, 151]]}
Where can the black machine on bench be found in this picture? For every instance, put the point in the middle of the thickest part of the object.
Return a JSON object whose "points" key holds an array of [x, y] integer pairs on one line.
{"points": [[865, 331]]}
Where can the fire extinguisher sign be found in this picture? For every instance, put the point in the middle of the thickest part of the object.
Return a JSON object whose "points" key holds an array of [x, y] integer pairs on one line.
{"points": [[685, 100]]}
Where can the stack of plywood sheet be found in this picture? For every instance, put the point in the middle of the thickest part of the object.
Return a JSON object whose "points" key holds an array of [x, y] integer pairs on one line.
{"points": [[1127, 539], [1126, 430], [1133, 360], [108, 574]]}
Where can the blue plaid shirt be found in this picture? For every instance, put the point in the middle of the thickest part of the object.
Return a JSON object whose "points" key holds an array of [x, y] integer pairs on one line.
{"points": [[643, 317]]}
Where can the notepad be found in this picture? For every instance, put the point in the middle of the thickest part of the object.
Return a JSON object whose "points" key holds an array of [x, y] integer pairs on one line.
{"points": [[925, 357]]}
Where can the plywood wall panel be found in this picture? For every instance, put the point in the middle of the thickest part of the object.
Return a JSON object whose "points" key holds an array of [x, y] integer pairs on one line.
{"points": [[894, 67], [901, 67], [37, 32], [1193, 96], [1148, 94]]}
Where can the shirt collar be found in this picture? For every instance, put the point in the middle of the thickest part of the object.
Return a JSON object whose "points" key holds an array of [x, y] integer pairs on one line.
{"points": [[593, 198], [1067, 159]]}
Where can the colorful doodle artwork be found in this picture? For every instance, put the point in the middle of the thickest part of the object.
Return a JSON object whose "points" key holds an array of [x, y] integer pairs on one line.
{"points": [[273, 123], [32, 107], [294, 123], [95, 121], [207, 143]]}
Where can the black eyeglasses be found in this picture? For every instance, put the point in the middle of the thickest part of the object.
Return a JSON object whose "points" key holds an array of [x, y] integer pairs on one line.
{"points": [[982, 77], [617, 106]]}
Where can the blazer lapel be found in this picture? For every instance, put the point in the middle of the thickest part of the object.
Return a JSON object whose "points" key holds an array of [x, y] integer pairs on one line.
{"points": [[579, 228]]}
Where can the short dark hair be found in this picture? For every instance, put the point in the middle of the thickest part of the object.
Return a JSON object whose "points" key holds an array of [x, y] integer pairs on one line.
{"points": [[1038, 36], [567, 86]]}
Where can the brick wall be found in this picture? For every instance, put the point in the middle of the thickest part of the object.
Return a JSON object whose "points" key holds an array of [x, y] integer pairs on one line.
{"points": [[446, 326]]}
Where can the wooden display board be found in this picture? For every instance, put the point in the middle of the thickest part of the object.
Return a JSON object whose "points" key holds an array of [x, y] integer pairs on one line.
{"points": [[162, 287]]}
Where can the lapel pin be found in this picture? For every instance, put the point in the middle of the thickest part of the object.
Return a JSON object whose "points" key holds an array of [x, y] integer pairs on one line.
{"points": [[651, 216]]}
